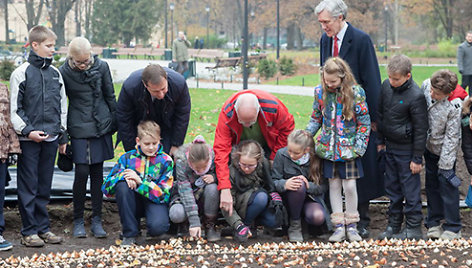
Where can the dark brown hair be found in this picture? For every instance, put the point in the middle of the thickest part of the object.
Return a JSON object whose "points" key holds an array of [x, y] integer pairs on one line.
{"points": [[153, 73], [444, 80]]}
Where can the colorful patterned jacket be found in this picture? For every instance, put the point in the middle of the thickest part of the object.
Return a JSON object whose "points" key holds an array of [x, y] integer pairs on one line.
{"points": [[339, 139], [155, 172]]}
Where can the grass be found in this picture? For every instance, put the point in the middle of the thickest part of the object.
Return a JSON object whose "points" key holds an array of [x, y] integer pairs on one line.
{"points": [[420, 73]]}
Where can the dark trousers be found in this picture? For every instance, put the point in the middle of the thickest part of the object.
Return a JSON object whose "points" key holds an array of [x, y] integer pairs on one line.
{"points": [[401, 184], [443, 198], [467, 82], [34, 178], [364, 218], [183, 66], [3, 177], [132, 206], [82, 172]]}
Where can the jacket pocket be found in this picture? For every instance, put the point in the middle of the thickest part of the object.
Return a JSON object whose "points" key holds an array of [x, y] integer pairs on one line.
{"points": [[346, 149], [322, 146]]}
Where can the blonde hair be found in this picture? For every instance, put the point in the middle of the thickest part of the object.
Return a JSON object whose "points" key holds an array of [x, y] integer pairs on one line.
{"points": [[305, 140], [40, 33], [198, 150], [149, 128], [340, 68], [79, 46], [249, 148]]}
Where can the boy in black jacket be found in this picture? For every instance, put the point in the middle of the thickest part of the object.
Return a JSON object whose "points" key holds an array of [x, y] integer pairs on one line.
{"points": [[38, 107], [402, 130]]}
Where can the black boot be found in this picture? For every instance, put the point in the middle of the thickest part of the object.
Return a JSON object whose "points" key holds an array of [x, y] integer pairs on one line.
{"points": [[394, 226], [210, 231], [412, 230]]}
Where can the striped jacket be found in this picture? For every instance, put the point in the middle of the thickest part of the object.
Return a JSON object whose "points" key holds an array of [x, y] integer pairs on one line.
{"points": [[155, 172]]}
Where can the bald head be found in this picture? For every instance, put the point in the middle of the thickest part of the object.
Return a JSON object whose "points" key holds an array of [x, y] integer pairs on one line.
{"points": [[247, 109]]}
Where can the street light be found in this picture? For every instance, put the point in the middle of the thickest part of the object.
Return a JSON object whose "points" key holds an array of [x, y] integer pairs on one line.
{"points": [[245, 47], [278, 30], [165, 22], [386, 27], [171, 7], [207, 9]]}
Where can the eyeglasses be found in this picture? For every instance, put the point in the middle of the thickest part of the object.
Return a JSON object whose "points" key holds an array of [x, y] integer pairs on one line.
{"points": [[84, 62], [241, 165]]}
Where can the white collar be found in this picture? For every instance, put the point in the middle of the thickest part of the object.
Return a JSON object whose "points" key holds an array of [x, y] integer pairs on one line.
{"points": [[341, 34]]}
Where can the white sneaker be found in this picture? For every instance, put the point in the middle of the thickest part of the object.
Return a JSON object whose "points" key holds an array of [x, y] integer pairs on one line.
{"points": [[434, 232]]}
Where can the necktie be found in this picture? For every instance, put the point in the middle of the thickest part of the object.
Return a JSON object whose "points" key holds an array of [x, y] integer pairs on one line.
{"points": [[335, 49]]}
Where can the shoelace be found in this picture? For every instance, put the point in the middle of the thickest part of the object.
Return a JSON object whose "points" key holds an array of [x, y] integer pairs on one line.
{"points": [[2, 239]]}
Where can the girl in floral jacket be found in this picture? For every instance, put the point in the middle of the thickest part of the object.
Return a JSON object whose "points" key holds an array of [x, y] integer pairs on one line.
{"points": [[340, 113]]}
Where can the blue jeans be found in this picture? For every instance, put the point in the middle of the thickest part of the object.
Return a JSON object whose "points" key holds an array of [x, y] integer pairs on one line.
{"points": [[443, 198], [257, 211], [132, 206]]}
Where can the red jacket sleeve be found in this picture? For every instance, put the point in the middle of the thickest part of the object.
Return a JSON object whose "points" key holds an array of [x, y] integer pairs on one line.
{"points": [[222, 148], [285, 125]]}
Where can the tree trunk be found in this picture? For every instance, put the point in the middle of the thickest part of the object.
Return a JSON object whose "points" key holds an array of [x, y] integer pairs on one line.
{"points": [[57, 12], [7, 33], [33, 16], [88, 11], [78, 19], [264, 42], [299, 37], [291, 36]]}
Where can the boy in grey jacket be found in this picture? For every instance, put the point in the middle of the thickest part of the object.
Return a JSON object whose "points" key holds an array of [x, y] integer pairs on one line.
{"points": [[443, 141], [464, 61]]}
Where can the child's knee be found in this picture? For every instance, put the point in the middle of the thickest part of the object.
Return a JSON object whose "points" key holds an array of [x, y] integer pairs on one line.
{"points": [[157, 227], [177, 213], [261, 198], [211, 190]]}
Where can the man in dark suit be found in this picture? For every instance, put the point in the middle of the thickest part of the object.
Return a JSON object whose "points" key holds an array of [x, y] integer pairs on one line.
{"points": [[341, 39]]}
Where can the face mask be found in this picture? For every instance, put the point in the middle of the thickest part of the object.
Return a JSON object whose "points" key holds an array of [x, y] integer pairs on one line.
{"points": [[303, 160]]}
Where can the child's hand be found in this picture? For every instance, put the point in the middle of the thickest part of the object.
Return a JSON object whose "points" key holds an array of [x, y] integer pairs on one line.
{"points": [[38, 136], [130, 174], [293, 183], [208, 179], [131, 184], [415, 168], [305, 180], [195, 231]]}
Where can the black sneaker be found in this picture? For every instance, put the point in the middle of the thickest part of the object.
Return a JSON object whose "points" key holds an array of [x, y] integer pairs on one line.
{"points": [[128, 242], [242, 233], [363, 232]]}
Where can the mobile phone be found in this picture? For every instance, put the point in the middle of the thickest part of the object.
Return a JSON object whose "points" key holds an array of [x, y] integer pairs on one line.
{"points": [[43, 134]]}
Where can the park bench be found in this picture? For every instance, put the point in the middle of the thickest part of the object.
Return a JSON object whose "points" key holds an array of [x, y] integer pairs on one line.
{"points": [[125, 51], [205, 54], [225, 62]]}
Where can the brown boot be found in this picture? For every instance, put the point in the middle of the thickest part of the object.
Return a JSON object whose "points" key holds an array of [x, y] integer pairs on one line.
{"points": [[211, 234]]}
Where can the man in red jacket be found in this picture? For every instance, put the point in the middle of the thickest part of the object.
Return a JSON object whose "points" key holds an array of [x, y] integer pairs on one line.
{"points": [[249, 114]]}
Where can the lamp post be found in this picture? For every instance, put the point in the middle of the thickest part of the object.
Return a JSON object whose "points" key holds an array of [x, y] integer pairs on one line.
{"points": [[165, 23], [245, 47], [207, 9], [171, 7], [278, 30], [386, 27]]}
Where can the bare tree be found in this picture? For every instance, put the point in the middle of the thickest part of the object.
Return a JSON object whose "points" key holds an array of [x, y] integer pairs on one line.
{"points": [[33, 13], [7, 33], [88, 14], [57, 10], [78, 18]]}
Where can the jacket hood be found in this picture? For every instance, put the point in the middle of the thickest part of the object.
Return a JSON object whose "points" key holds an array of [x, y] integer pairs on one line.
{"points": [[38, 61]]}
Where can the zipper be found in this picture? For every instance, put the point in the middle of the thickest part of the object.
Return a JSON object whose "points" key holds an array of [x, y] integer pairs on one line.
{"points": [[42, 97], [88, 152]]}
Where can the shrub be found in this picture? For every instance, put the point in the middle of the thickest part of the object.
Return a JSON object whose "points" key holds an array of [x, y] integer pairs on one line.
{"points": [[266, 68], [286, 66], [6, 68]]}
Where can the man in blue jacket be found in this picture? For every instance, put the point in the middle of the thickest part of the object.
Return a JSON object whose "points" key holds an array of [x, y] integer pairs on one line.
{"points": [[355, 47], [158, 94]]}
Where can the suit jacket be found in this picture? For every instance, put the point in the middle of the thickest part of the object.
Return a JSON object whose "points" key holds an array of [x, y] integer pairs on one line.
{"points": [[358, 51]]}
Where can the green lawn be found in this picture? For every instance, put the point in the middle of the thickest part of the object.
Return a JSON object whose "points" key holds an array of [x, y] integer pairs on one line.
{"points": [[420, 73]]}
